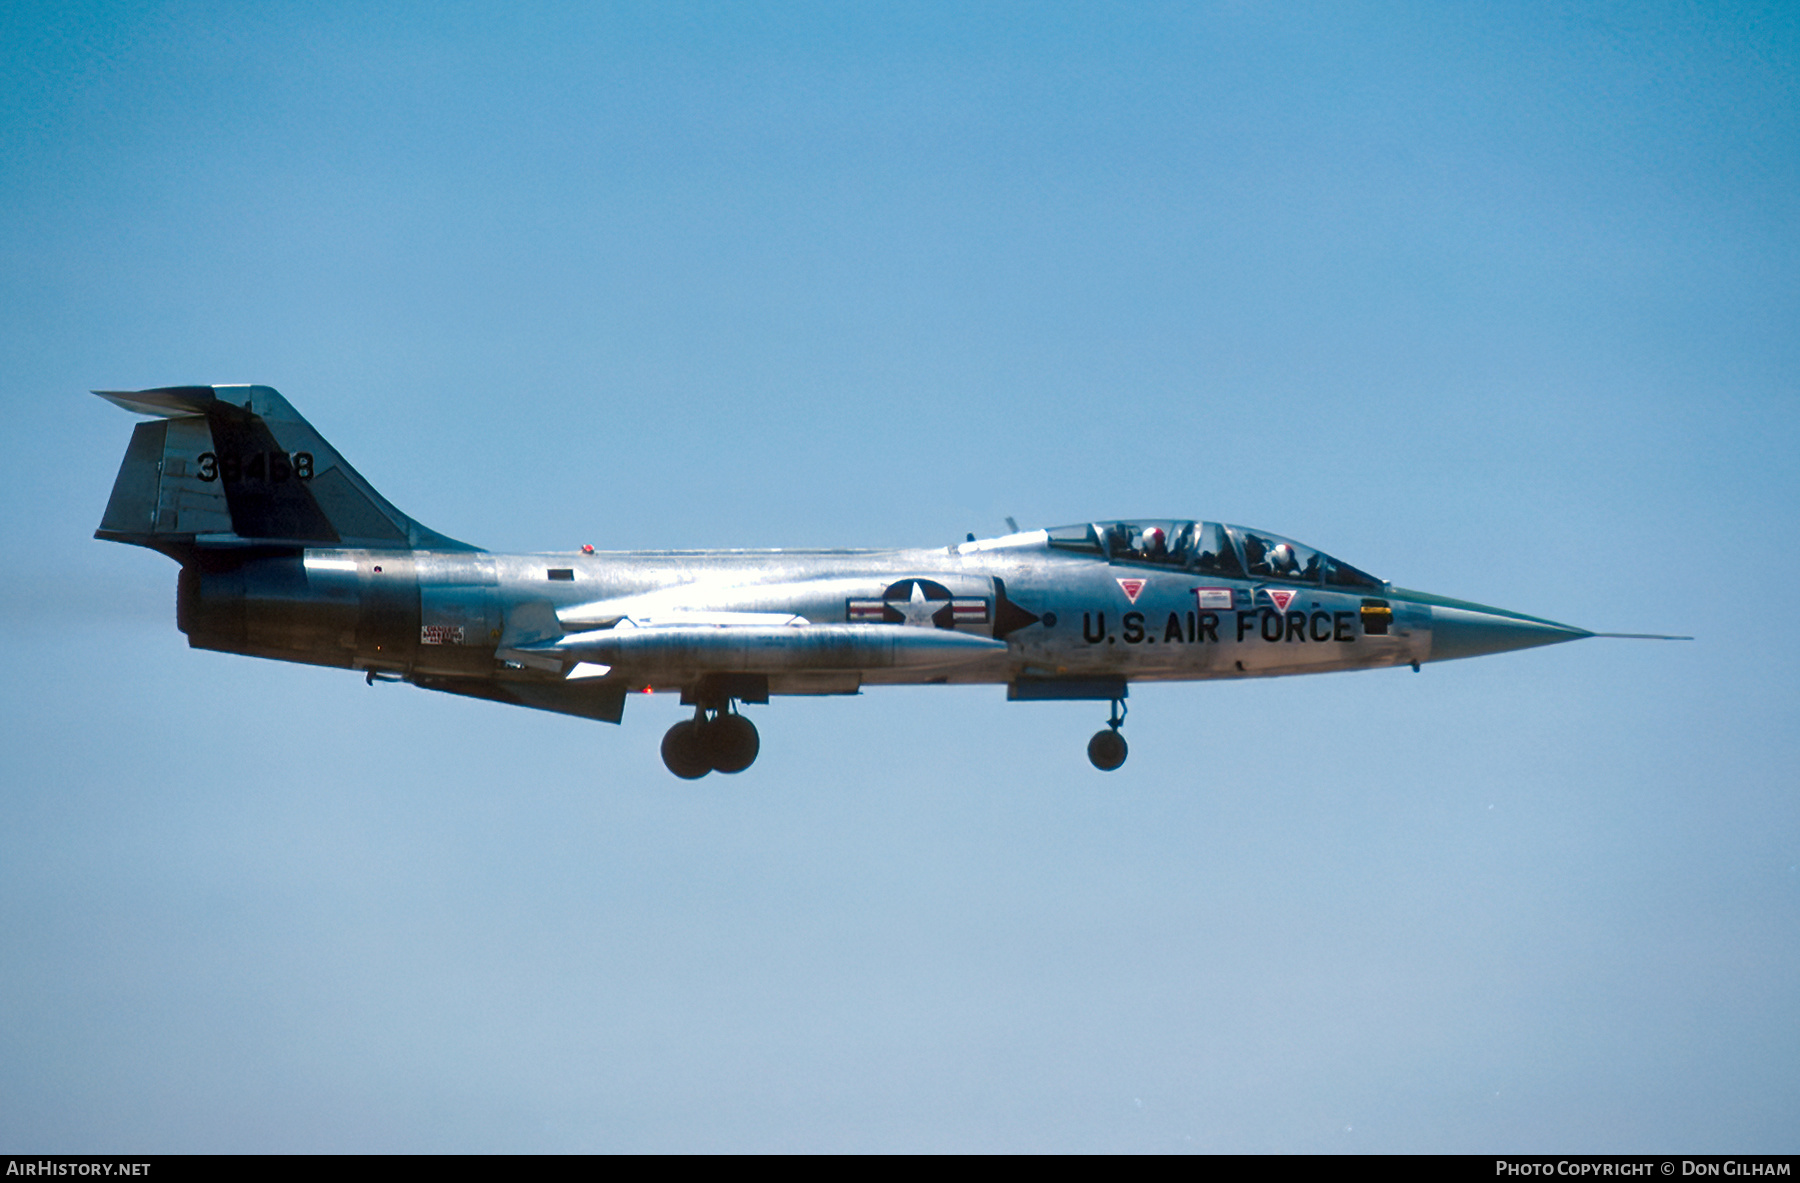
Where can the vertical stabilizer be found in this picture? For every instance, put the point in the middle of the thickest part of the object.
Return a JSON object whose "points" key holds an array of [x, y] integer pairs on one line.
{"points": [[237, 465]]}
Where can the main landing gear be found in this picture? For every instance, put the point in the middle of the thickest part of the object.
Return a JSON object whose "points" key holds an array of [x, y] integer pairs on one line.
{"points": [[716, 740], [1108, 748]]}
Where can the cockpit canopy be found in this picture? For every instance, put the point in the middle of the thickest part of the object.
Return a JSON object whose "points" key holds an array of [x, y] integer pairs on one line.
{"points": [[1210, 548]]}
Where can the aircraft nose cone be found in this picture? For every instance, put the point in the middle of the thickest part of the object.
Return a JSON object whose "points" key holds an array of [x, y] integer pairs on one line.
{"points": [[1474, 631]]}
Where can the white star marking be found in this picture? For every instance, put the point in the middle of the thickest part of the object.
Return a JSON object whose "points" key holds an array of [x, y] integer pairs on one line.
{"points": [[918, 611]]}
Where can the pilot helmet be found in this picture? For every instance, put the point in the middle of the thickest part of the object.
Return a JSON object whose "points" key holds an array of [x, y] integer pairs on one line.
{"points": [[1281, 557], [1155, 540]]}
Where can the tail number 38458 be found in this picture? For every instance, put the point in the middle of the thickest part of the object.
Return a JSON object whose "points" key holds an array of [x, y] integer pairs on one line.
{"points": [[257, 466]]}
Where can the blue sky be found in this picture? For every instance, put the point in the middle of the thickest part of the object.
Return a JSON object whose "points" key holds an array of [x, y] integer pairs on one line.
{"points": [[1493, 301]]}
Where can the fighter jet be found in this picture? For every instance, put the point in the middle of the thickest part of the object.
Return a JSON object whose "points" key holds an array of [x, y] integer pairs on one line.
{"points": [[286, 552]]}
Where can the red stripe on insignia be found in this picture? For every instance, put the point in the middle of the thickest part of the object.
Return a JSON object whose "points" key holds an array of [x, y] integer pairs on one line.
{"points": [[969, 610]]}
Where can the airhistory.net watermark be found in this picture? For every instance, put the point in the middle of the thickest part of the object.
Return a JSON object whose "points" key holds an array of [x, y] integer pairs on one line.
{"points": [[41, 1168]]}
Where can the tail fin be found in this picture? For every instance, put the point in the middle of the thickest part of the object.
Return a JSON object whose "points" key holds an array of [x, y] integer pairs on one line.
{"points": [[235, 466]]}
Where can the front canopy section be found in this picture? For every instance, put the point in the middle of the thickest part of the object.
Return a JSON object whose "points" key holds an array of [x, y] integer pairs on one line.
{"points": [[1210, 548]]}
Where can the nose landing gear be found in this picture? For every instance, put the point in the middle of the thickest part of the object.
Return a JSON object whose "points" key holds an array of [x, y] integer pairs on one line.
{"points": [[1108, 749], [719, 740]]}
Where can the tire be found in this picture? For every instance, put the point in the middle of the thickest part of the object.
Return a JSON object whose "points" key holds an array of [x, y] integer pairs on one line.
{"points": [[731, 743], [1107, 750], [683, 752]]}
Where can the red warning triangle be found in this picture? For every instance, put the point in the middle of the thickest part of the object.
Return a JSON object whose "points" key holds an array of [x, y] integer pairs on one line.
{"points": [[1132, 587], [1282, 599]]}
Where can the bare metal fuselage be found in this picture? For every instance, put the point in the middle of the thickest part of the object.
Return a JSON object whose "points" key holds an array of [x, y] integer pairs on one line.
{"points": [[445, 614]]}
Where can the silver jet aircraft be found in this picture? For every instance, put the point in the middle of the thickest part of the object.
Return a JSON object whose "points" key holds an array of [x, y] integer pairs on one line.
{"points": [[286, 552]]}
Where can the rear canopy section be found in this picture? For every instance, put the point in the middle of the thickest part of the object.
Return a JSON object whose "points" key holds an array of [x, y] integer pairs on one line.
{"points": [[232, 466]]}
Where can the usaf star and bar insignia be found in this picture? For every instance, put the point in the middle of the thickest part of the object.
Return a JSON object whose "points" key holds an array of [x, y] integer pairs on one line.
{"points": [[921, 604]]}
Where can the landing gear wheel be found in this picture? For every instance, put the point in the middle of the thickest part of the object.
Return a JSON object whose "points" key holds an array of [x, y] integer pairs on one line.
{"points": [[731, 743], [1107, 750], [685, 752]]}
